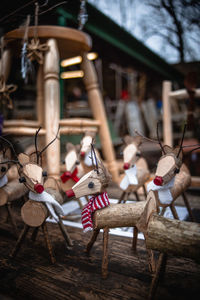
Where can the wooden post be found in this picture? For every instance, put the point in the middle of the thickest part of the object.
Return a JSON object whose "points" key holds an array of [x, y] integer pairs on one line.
{"points": [[96, 103], [52, 107], [167, 122], [40, 96]]}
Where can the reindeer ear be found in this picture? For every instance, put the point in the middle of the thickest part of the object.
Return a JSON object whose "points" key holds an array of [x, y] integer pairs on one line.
{"points": [[137, 140], [176, 151], [69, 146], [78, 148], [128, 139], [23, 158], [167, 149]]}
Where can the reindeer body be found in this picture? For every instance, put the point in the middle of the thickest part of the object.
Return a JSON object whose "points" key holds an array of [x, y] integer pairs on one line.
{"points": [[135, 168]]}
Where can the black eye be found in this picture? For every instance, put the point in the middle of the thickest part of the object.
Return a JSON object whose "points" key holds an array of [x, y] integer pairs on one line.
{"points": [[44, 173], [91, 185], [22, 179], [176, 171], [77, 162], [3, 169], [138, 154]]}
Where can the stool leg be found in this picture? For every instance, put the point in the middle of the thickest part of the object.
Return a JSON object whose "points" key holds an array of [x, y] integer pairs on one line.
{"points": [[92, 240], [105, 253], [187, 204], [20, 240], [48, 243], [160, 269]]}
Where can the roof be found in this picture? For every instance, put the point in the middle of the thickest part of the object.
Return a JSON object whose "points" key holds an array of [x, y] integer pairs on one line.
{"points": [[106, 29]]}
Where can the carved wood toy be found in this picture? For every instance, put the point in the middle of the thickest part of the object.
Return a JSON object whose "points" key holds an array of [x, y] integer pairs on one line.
{"points": [[73, 169], [135, 168], [172, 178], [111, 216], [44, 199], [9, 190]]}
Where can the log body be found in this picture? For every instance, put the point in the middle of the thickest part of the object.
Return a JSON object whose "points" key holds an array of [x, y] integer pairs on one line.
{"points": [[118, 215], [11, 191], [173, 236], [35, 213]]}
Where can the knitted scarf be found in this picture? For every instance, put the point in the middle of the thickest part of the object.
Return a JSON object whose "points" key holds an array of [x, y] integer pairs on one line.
{"points": [[53, 206], [129, 178], [164, 193], [95, 203], [3, 181]]}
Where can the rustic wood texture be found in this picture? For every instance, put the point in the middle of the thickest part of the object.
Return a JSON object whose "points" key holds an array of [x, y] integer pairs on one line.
{"points": [[174, 236], [78, 276]]}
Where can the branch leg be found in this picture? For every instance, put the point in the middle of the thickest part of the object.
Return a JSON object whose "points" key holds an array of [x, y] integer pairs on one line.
{"points": [[20, 240], [48, 243], [92, 240], [105, 253]]}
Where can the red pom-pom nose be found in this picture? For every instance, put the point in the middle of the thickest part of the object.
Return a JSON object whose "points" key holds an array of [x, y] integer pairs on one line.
{"points": [[158, 180], [38, 188], [70, 193], [82, 154], [126, 166]]}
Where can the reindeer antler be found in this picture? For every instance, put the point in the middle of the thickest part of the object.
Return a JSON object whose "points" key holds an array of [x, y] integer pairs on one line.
{"points": [[96, 163], [181, 145]]}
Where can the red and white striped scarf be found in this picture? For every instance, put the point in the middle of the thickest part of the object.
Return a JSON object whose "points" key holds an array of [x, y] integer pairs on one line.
{"points": [[97, 202]]}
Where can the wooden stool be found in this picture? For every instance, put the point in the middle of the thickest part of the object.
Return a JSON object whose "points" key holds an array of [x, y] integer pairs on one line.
{"points": [[63, 43]]}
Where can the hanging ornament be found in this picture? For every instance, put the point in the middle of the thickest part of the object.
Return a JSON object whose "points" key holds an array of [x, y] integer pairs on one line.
{"points": [[5, 89], [83, 16]]}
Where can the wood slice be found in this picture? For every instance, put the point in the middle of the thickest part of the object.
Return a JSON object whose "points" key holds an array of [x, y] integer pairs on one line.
{"points": [[34, 213]]}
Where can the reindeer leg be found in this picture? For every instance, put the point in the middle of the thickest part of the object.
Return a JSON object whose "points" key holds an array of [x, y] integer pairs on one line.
{"points": [[48, 243], [136, 195], [160, 269], [122, 197], [187, 204], [126, 196], [144, 190], [34, 234], [20, 240], [162, 211], [174, 212], [135, 237], [64, 233], [11, 219], [92, 240], [80, 203], [105, 253]]}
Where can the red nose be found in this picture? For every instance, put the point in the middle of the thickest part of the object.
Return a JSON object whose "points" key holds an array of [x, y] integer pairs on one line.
{"points": [[70, 193], [38, 188], [158, 180], [82, 154], [126, 166]]}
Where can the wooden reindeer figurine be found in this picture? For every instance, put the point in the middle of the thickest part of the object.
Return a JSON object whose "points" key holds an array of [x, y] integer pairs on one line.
{"points": [[172, 178], [111, 216], [136, 168], [73, 169], [9, 190], [44, 200], [85, 152]]}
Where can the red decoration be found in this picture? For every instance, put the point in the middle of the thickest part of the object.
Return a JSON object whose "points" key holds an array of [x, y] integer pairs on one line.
{"points": [[158, 180], [126, 166], [68, 175]]}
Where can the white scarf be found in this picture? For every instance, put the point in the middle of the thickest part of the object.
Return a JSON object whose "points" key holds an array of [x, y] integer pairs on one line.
{"points": [[164, 193], [129, 178], [3, 181], [53, 206]]}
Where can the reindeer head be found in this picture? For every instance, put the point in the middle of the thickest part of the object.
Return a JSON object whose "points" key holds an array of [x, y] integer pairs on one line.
{"points": [[30, 172], [71, 158], [131, 153], [86, 143], [94, 182]]}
